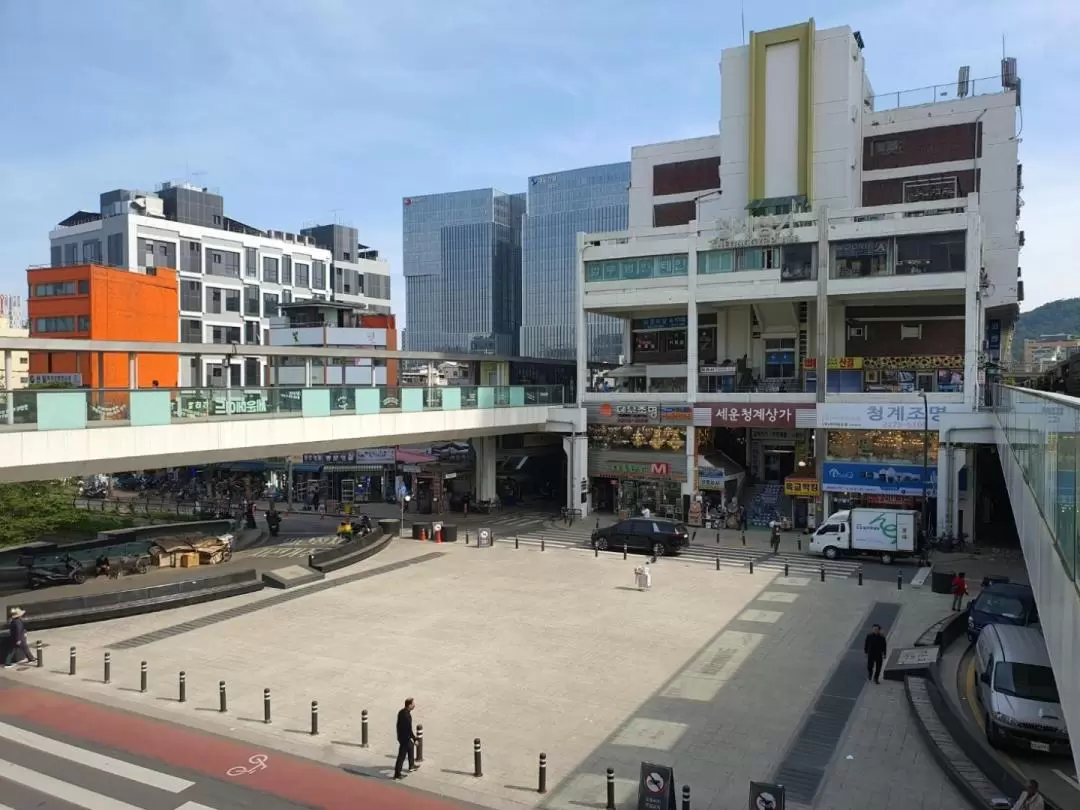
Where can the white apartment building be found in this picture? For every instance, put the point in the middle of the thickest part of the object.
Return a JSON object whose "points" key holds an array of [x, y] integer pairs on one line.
{"points": [[810, 296], [232, 277]]}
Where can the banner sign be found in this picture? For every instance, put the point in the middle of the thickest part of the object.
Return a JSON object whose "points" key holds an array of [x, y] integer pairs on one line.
{"points": [[878, 479], [880, 417], [774, 415], [802, 487]]}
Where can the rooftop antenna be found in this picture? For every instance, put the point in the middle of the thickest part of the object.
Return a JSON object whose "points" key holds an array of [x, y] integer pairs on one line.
{"points": [[334, 212], [742, 19]]}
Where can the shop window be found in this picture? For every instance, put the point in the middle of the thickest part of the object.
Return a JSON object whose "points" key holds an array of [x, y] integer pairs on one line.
{"points": [[780, 358], [861, 258], [757, 259], [931, 253]]}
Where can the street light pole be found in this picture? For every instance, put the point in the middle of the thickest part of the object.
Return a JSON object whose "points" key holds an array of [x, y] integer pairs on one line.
{"points": [[925, 463]]}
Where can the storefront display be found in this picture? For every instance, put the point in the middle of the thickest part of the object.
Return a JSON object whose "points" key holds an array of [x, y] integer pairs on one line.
{"points": [[611, 437], [887, 446]]}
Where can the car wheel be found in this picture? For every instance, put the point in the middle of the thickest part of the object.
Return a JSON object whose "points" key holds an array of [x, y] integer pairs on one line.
{"points": [[141, 566], [886, 558], [831, 553], [601, 543], [658, 549], [78, 577]]}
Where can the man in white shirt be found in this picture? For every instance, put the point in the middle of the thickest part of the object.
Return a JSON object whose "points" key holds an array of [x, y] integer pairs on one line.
{"points": [[645, 513]]}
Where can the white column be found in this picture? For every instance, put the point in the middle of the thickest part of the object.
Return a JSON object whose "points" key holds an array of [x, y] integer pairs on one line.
{"points": [[576, 448], [307, 372], [485, 468], [133, 370], [627, 341], [974, 315], [581, 334], [690, 487], [691, 314]]}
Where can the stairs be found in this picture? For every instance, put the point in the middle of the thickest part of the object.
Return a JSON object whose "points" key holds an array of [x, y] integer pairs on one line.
{"points": [[764, 504]]}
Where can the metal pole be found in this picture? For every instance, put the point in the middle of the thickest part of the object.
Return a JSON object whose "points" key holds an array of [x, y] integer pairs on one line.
{"points": [[71, 661], [37, 649], [314, 717], [478, 765], [686, 797], [142, 677], [223, 701], [182, 697], [541, 781], [925, 463], [108, 668], [419, 743], [610, 789], [364, 729]]}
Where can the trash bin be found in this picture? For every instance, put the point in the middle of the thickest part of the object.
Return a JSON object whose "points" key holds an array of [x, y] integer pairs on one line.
{"points": [[941, 581], [390, 526], [449, 533], [417, 528]]}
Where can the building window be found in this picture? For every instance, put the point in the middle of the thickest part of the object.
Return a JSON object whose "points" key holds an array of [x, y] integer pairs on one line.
{"points": [[220, 300], [191, 330], [223, 263], [92, 251], [318, 275], [191, 295], [779, 358], [270, 305], [885, 146], [286, 269], [226, 335], [270, 269], [55, 289], [114, 246], [251, 262], [71, 253], [83, 324], [56, 256], [860, 258], [911, 331], [251, 301], [62, 324], [252, 333], [931, 253], [190, 256], [286, 296], [303, 275], [252, 372]]}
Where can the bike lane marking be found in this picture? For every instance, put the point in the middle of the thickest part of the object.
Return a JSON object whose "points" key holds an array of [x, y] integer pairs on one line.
{"points": [[291, 778]]}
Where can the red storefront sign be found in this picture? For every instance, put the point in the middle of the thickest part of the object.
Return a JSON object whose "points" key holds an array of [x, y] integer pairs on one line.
{"points": [[772, 415]]}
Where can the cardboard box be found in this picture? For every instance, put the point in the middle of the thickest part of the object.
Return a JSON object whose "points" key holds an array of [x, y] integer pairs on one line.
{"points": [[189, 559]]}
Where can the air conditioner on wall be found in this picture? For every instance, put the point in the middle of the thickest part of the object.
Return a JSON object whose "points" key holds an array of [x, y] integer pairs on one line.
{"points": [[856, 332]]}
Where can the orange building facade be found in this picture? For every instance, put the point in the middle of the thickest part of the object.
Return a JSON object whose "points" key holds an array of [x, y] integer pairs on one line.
{"points": [[90, 302], [389, 323]]}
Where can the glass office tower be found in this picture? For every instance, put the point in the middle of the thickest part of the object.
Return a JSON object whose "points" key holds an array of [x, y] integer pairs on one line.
{"points": [[561, 205], [461, 257]]}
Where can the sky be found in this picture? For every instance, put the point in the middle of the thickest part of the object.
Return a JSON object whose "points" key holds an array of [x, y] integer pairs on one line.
{"points": [[315, 111]]}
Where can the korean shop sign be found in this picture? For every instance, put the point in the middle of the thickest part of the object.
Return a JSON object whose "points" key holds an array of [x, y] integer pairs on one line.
{"points": [[754, 416], [802, 487]]}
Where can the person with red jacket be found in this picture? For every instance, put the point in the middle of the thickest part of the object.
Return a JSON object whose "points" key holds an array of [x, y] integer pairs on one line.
{"points": [[959, 591]]}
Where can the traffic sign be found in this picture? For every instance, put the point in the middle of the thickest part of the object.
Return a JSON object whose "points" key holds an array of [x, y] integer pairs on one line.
{"points": [[656, 787], [437, 527], [766, 796]]}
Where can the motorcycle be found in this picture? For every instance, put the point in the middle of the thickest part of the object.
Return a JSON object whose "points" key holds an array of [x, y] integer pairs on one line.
{"points": [[364, 526], [273, 523], [66, 572]]}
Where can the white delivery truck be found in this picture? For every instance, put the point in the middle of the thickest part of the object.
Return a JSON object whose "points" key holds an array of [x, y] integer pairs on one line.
{"points": [[884, 533]]}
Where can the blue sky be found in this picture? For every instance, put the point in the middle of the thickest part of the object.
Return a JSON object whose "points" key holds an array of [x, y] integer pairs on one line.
{"points": [[321, 110]]}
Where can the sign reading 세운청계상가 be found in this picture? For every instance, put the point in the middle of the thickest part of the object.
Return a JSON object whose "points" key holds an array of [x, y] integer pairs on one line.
{"points": [[774, 415]]}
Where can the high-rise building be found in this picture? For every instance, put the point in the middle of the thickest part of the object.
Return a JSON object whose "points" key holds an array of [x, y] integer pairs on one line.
{"points": [[231, 277], [461, 257], [560, 206]]}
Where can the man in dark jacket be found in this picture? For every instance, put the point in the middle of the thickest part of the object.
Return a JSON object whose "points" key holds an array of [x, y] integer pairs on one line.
{"points": [[875, 649], [406, 739], [17, 638]]}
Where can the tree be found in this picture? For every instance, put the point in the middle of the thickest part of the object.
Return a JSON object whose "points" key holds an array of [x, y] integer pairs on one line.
{"points": [[37, 508]]}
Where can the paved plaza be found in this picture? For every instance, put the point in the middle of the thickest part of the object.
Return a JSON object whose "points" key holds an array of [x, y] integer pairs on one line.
{"points": [[712, 671]]}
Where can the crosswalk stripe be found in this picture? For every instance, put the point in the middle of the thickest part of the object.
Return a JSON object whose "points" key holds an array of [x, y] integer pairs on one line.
{"points": [[58, 789], [189, 806], [99, 762]]}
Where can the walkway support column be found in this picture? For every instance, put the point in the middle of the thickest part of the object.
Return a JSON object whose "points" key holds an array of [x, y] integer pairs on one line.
{"points": [[576, 447], [485, 467]]}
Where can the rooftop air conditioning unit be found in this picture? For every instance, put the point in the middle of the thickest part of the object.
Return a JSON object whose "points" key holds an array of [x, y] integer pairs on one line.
{"points": [[856, 332], [1009, 78], [963, 82]]}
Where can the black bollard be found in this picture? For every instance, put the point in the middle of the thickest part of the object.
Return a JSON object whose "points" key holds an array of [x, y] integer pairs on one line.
{"points": [[623, 556], [717, 562], [314, 717], [542, 546], [610, 789], [71, 661], [742, 536], [899, 582], [478, 765], [108, 668], [860, 575], [598, 523], [182, 697], [595, 549], [142, 677], [37, 650], [798, 543], [686, 797], [419, 743], [516, 541], [693, 537], [718, 538], [541, 779], [223, 700], [822, 573], [785, 569], [363, 729], [466, 537], [266, 705], [751, 566]]}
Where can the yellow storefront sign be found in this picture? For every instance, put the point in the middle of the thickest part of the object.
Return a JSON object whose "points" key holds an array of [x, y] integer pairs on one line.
{"points": [[835, 363], [802, 487]]}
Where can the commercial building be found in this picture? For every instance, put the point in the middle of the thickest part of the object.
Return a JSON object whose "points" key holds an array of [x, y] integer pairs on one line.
{"points": [[232, 277], [461, 257], [815, 289], [1046, 351], [91, 302], [560, 206], [14, 366]]}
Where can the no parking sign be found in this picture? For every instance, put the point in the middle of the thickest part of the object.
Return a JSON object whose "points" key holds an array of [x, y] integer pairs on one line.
{"points": [[656, 787], [484, 538], [765, 796]]}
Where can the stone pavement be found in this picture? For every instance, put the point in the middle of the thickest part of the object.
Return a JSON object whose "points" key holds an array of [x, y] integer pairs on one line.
{"points": [[531, 651]]}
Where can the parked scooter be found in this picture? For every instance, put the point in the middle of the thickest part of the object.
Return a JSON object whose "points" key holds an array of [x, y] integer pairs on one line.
{"points": [[363, 526], [67, 572], [273, 522]]}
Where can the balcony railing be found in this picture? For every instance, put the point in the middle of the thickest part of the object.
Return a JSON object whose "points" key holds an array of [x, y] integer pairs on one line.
{"points": [[936, 93]]}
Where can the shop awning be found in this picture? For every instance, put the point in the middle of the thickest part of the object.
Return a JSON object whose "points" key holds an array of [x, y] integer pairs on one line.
{"points": [[307, 468], [413, 457], [246, 466]]}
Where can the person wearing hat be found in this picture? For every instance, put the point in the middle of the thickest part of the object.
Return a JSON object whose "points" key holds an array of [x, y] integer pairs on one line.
{"points": [[17, 635]]}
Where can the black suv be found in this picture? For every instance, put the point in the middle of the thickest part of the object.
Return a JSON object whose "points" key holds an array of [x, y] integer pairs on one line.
{"points": [[656, 535]]}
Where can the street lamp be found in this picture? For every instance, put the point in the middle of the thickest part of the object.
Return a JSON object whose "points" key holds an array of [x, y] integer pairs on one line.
{"points": [[925, 463], [401, 524]]}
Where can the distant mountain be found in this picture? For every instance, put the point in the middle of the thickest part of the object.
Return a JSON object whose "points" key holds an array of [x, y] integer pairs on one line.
{"points": [[1055, 318]]}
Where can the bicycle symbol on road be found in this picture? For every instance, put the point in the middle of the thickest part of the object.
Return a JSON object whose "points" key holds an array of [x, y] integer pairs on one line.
{"points": [[257, 763]]}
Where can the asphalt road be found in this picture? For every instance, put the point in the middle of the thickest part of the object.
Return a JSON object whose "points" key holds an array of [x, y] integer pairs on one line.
{"points": [[59, 753]]}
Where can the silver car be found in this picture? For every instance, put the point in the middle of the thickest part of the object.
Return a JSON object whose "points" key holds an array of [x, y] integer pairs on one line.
{"points": [[1016, 690]]}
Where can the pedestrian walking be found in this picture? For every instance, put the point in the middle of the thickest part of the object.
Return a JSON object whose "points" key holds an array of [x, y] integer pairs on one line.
{"points": [[17, 635], [959, 591], [643, 577], [1031, 798], [406, 738], [875, 648], [774, 536]]}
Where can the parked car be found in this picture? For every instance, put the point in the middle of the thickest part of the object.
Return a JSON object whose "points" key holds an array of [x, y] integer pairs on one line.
{"points": [[1003, 603], [659, 536], [1016, 690]]}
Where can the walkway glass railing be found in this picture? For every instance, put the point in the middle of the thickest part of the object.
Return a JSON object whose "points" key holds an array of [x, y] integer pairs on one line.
{"points": [[1043, 434], [67, 409]]}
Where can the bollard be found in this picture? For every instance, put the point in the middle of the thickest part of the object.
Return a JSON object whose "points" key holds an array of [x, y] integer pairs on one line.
{"points": [[37, 649], [822, 573], [182, 697], [310, 560], [685, 797], [363, 729], [266, 705], [108, 668], [785, 569], [860, 575], [595, 549], [516, 540], [541, 779], [314, 717], [142, 677], [542, 544], [623, 556], [742, 536], [717, 538], [610, 789], [693, 537], [798, 543], [419, 743], [466, 537], [751, 566], [598, 523], [899, 582], [478, 769], [717, 562], [71, 661], [223, 701]]}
